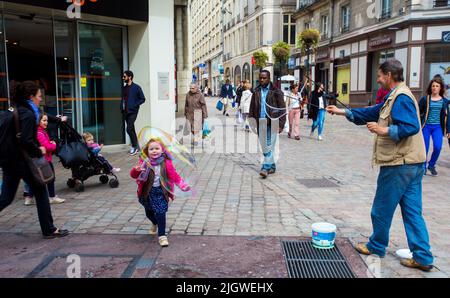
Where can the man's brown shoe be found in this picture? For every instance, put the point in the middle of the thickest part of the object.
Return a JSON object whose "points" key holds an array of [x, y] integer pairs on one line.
{"points": [[362, 249], [411, 263], [264, 174]]}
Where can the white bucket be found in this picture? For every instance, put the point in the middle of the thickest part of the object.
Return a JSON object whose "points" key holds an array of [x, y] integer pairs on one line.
{"points": [[323, 235]]}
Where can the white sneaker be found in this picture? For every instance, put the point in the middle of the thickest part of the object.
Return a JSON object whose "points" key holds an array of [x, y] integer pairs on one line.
{"points": [[320, 138], [56, 200], [116, 170], [311, 134], [28, 201]]}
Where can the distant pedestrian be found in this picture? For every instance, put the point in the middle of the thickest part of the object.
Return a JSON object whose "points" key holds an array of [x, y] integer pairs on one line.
{"points": [[240, 89], [399, 150], [294, 103], [227, 95], [196, 112], [268, 114], [434, 108], [316, 109], [381, 95], [132, 98], [156, 177], [246, 100]]}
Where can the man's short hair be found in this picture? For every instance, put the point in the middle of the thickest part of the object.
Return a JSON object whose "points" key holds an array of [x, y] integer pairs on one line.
{"points": [[395, 68], [129, 73], [265, 71]]}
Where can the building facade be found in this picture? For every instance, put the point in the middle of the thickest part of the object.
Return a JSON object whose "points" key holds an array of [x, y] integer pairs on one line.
{"points": [[77, 55], [254, 25], [358, 36], [207, 19]]}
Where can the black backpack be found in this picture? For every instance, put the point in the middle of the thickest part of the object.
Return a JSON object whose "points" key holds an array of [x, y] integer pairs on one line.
{"points": [[8, 138]]}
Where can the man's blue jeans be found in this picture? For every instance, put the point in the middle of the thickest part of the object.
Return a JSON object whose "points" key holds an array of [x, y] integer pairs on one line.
{"points": [[268, 140], [400, 185]]}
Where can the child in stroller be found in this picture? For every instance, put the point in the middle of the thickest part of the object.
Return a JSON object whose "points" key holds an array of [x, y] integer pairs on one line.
{"points": [[95, 149], [76, 154]]}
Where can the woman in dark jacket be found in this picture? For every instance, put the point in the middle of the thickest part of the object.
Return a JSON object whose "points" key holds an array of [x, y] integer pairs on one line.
{"points": [[434, 115], [18, 169], [317, 109]]}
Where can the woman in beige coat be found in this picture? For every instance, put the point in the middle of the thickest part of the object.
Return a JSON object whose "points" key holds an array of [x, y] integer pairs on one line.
{"points": [[195, 111]]}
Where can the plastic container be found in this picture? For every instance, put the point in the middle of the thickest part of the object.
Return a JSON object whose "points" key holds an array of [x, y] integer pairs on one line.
{"points": [[323, 235]]}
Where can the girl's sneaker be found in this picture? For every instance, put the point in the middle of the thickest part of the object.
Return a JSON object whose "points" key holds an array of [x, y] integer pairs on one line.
{"points": [[163, 241], [28, 201], [56, 200], [153, 230]]}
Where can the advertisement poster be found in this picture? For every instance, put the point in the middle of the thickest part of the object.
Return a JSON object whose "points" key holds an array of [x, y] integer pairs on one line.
{"points": [[442, 69]]}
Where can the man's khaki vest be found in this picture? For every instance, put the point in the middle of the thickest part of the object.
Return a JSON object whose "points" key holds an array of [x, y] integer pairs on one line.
{"points": [[410, 150]]}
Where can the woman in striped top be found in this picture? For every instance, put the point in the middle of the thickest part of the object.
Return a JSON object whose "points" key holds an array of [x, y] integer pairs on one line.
{"points": [[434, 110]]}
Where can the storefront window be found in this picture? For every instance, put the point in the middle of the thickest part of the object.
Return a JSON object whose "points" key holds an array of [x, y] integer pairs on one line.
{"points": [[437, 62], [101, 65], [65, 38], [29, 44]]}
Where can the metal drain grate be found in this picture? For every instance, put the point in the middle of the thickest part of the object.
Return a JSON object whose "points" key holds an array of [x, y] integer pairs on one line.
{"points": [[305, 261], [318, 183]]}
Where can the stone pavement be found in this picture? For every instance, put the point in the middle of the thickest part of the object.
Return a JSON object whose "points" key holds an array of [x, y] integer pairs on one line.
{"points": [[232, 200]]}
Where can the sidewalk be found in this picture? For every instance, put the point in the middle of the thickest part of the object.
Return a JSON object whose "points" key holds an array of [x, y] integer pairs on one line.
{"points": [[329, 181]]}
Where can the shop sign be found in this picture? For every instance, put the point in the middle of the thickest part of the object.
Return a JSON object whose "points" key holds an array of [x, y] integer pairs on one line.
{"points": [[163, 86], [446, 37], [321, 55], [380, 41]]}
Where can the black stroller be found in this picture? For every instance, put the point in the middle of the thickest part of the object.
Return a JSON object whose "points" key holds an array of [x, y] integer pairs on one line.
{"points": [[76, 156]]}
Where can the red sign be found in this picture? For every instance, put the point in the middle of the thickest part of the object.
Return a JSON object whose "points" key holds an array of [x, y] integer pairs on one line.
{"points": [[253, 61]]}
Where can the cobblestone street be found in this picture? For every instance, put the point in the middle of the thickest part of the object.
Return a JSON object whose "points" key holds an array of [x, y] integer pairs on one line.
{"points": [[330, 181]]}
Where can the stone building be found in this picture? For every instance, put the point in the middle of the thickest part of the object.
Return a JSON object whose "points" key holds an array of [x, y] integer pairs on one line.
{"points": [[357, 36]]}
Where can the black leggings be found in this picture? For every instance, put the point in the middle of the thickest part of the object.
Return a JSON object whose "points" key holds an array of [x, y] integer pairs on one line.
{"points": [[11, 179]]}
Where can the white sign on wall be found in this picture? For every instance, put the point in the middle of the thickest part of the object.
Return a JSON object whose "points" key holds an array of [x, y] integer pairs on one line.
{"points": [[442, 69]]}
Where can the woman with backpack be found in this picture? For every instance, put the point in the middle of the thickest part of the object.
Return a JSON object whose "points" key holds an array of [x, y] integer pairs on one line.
{"points": [[23, 100]]}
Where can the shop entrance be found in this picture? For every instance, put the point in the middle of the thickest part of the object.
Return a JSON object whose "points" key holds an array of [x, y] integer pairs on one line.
{"points": [[78, 67], [29, 46], [343, 84]]}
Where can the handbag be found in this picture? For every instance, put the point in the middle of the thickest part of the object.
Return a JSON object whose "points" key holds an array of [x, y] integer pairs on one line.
{"points": [[206, 129], [40, 168], [219, 105]]}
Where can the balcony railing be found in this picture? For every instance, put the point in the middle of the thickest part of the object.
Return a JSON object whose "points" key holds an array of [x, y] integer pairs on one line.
{"points": [[304, 4], [441, 3]]}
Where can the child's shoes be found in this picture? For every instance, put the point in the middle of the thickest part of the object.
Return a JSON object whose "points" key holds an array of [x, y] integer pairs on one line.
{"points": [[163, 241]]}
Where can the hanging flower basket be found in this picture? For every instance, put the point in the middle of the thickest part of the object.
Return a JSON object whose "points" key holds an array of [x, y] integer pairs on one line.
{"points": [[308, 39]]}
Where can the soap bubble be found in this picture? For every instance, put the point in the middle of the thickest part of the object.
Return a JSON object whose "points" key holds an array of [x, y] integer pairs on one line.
{"points": [[182, 159]]}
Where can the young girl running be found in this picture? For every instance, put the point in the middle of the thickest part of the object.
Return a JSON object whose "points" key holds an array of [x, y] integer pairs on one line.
{"points": [[156, 177]]}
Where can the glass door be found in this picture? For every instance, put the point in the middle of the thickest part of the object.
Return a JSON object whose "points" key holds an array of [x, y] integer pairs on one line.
{"points": [[3, 72], [65, 49], [101, 68]]}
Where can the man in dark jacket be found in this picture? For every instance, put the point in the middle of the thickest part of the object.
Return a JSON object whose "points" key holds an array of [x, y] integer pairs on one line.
{"points": [[227, 95], [132, 99], [268, 115], [239, 92]]}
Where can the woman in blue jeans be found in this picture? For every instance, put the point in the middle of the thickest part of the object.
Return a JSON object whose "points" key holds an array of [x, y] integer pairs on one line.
{"points": [[317, 109], [434, 110]]}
